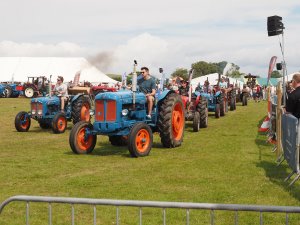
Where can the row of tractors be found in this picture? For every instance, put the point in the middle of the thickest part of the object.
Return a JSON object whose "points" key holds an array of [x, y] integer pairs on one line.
{"points": [[122, 116], [39, 86], [34, 87]]}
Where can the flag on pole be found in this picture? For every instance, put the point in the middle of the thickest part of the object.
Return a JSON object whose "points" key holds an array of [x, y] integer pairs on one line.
{"points": [[271, 67]]}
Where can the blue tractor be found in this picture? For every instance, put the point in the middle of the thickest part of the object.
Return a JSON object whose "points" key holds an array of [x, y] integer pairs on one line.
{"points": [[215, 101], [122, 116], [2, 90], [46, 110], [11, 90]]}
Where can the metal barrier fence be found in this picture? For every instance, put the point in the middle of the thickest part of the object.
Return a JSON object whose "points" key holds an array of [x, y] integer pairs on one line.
{"points": [[152, 204], [290, 144]]}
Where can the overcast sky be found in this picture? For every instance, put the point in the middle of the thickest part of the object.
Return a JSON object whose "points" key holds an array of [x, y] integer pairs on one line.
{"points": [[166, 33]]}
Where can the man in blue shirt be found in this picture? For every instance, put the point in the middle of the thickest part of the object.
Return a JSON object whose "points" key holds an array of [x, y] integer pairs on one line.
{"points": [[147, 86], [222, 83]]}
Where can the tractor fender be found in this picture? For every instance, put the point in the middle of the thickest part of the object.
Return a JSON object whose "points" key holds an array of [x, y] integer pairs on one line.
{"points": [[164, 94], [198, 98], [218, 93], [197, 93], [74, 98]]}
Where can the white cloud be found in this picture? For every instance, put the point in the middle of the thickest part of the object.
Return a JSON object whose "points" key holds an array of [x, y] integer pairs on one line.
{"points": [[169, 33], [9, 48]]}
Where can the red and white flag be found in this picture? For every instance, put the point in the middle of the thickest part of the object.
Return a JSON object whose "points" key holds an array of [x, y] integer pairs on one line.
{"points": [[271, 67]]}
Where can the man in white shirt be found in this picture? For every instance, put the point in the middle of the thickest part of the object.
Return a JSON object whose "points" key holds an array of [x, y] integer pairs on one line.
{"points": [[61, 90]]}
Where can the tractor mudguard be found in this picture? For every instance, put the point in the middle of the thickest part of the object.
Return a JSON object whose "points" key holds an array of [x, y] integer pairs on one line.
{"points": [[73, 98], [218, 93], [197, 93], [164, 94]]}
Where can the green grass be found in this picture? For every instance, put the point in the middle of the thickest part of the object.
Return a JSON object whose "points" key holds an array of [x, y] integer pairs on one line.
{"points": [[228, 162]]}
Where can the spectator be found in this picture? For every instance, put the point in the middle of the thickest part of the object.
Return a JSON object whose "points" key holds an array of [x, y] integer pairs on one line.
{"points": [[289, 87], [264, 93], [258, 93], [222, 83], [147, 86], [293, 98], [61, 91], [184, 88], [206, 87]]}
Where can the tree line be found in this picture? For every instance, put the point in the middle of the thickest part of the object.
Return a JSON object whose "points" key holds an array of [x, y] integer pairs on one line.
{"points": [[202, 68]]}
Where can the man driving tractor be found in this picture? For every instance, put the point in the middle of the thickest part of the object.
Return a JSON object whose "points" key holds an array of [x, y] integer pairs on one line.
{"points": [[61, 90]]}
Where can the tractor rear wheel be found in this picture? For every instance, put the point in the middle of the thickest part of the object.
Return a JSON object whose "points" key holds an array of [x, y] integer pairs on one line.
{"points": [[81, 110], [81, 140], [140, 140], [244, 100], [171, 121], [22, 121], [232, 103], [196, 122], [222, 105], [8, 92], [28, 92], [59, 123], [232, 100], [203, 110], [217, 110], [118, 140]]}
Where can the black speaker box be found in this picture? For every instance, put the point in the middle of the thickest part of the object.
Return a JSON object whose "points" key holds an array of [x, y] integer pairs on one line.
{"points": [[275, 25]]}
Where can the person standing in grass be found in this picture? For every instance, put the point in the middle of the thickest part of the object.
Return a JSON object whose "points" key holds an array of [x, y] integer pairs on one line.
{"points": [[293, 98]]}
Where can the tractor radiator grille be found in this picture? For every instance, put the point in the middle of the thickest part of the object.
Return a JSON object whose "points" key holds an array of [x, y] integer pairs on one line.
{"points": [[36, 109], [111, 112], [106, 110], [99, 110]]}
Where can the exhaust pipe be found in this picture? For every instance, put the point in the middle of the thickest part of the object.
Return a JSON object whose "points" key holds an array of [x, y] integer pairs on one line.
{"points": [[134, 83], [50, 87]]}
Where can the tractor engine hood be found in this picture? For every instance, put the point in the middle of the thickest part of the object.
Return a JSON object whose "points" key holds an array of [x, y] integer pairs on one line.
{"points": [[125, 97], [54, 100]]}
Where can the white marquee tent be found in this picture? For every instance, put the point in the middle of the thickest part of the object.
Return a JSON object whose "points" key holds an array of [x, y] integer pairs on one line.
{"points": [[19, 68], [213, 80]]}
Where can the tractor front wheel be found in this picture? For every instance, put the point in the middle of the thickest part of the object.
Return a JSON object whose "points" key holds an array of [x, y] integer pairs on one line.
{"points": [[81, 140], [140, 140], [171, 121], [22, 121], [59, 123], [196, 122]]}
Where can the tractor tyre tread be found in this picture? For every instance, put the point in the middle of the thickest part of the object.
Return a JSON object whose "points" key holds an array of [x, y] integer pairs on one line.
{"points": [[18, 121], [73, 142], [202, 109], [76, 108], [165, 121]]}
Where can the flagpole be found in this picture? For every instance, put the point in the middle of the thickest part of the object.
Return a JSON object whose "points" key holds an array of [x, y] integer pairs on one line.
{"points": [[284, 72]]}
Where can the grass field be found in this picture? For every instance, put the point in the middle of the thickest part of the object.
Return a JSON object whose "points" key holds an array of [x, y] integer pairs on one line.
{"points": [[228, 162]]}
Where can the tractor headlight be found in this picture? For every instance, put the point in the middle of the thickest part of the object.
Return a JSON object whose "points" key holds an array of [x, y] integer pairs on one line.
{"points": [[33, 111], [92, 112], [125, 112], [40, 112]]}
